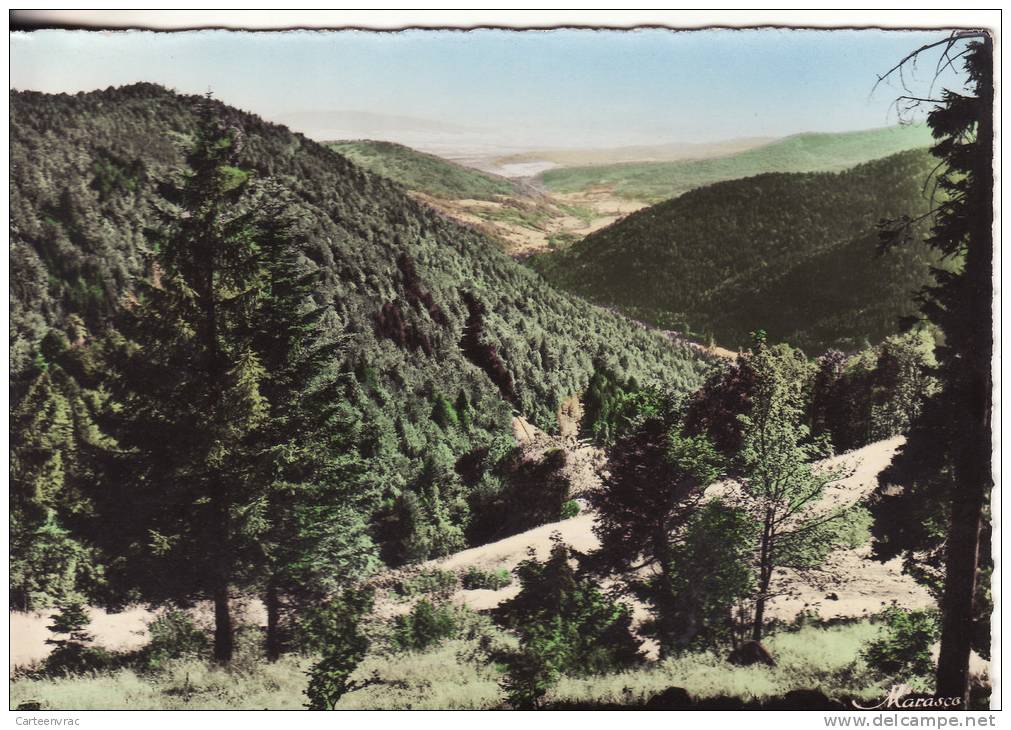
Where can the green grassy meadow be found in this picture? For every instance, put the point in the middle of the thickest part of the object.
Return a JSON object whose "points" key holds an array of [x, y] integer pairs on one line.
{"points": [[458, 674], [655, 181]]}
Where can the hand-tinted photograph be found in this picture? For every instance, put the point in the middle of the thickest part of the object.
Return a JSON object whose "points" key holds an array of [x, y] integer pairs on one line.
{"points": [[500, 369]]}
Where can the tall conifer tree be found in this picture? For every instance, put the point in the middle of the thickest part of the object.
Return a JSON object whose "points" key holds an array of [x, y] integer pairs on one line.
{"points": [[189, 381], [317, 498], [938, 521]]}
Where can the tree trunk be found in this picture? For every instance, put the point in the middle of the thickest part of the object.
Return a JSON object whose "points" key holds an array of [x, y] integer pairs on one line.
{"points": [[667, 630], [273, 604], [764, 576], [959, 591], [973, 476], [223, 640], [763, 588]]}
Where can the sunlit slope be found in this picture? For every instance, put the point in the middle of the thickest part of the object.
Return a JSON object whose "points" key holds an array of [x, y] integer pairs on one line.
{"points": [[423, 172], [654, 181]]}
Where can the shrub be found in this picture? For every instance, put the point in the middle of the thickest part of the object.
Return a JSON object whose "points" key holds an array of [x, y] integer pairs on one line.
{"points": [[570, 509], [443, 412], [428, 582], [904, 649], [74, 659], [174, 635], [529, 677], [564, 618], [250, 650], [425, 626], [493, 580], [337, 626]]}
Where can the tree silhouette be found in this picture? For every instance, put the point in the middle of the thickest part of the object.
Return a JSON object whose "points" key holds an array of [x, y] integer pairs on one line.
{"points": [[946, 461]]}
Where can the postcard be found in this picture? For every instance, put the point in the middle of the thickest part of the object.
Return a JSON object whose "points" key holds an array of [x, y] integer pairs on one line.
{"points": [[501, 366]]}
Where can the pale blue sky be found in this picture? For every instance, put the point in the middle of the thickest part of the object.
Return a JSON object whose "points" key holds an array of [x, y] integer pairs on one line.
{"points": [[573, 87]]}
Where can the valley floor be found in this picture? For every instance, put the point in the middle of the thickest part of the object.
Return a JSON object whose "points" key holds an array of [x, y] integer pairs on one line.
{"points": [[535, 223]]}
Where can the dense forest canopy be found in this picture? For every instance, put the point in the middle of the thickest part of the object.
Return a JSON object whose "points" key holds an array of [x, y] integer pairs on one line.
{"points": [[793, 254], [82, 205], [444, 337]]}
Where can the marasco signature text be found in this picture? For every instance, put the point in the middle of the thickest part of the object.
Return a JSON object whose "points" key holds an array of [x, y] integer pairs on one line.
{"points": [[899, 696]]}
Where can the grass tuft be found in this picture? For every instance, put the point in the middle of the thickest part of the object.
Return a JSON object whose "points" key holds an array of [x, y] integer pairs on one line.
{"points": [[458, 674]]}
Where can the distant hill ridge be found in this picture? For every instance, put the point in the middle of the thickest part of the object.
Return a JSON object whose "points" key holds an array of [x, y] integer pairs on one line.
{"points": [[790, 253], [669, 152], [807, 152]]}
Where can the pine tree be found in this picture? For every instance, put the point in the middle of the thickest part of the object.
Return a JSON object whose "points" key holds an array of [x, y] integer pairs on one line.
{"points": [[189, 381], [41, 432], [318, 498], [54, 436], [71, 655], [938, 521]]}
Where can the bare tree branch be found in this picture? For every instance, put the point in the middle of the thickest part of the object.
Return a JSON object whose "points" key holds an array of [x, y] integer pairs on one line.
{"points": [[948, 42]]}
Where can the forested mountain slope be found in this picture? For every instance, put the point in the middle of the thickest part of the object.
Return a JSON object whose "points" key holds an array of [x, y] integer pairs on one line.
{"points": [[793, 254], [446, 335], [522, 218], [423, 172], [811, 152]]}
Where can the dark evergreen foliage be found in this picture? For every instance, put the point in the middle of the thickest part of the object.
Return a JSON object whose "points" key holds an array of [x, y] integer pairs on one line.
{"points": [[613, 407], [654, 485], [933, 505], [54, 440], [425, 626], [532, 493], [187, 378], [711, 574], [875, 394], [336, 632], [791, 253], [904, 650], [564, 621], [851, 400], [715, 409], [72, 654], [95, 177]]}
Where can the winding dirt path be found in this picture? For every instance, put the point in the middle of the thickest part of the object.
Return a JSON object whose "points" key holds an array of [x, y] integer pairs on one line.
{"points": [[851, 585]]}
